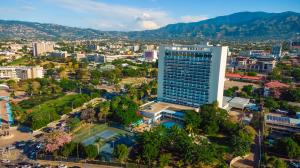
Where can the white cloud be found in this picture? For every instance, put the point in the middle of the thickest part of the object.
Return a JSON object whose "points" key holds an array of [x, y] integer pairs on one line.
{"points": [[116, 17], [105, 16], [28, 8], [189, 18]]}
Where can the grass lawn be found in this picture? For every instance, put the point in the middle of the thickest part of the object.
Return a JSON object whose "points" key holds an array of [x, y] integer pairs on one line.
{"points": [[87, 131], [134, 81], [20, 61], [221, 142]]}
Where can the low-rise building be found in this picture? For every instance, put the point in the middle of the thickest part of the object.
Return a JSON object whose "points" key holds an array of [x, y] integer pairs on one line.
{"points": [[78, 56], [93, 47], [96, 58], [274, 88], [59, 54], [150, 56], [239, 77], [258, 64], [21, 72], [282, 124], [156, 111]]}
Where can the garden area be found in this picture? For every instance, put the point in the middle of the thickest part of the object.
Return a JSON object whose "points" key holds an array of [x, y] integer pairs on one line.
{"points": [[39, 114]]}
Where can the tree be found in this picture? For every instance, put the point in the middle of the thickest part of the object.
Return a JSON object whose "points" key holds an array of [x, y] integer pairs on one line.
{"points": [[192, 119], [150, 152], [212, 117], [240, 143], [12, 84], [248, 89], [104, 109], [68, 149], [271, 103], [252, 74], [250, 131], [296, 74], [164, 159], [273, 162], [126, 111], [89, 115], [287, 146], [91, 151], [121, 152], [56, 139]]}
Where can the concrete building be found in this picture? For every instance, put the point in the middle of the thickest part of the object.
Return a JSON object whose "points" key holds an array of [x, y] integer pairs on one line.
{"points": [[150, 56], [39, 48], [21, 72], [258, 64], [93, 47], [59, 54], [78, 56], [274, 88], [282, 123], [276, 51], [96, 58], [136, 48], [191, 75]]}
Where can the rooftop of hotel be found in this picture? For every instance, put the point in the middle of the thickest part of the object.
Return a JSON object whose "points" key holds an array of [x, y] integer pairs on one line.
{"points": [[159, 106]]}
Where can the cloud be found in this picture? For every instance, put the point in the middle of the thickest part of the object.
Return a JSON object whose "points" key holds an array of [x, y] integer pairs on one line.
{"points": [[189, 18], [116, 17], [92, 14], [28, 8]]}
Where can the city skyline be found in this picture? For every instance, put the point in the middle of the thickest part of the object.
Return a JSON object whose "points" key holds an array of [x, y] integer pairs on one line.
{"points": [[131, 15]]}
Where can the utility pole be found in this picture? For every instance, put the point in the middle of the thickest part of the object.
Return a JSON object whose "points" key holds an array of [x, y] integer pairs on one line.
{"points": [[77, 152]]}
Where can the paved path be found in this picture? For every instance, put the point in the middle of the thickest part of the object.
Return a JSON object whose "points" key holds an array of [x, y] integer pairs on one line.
{"points": [[16, 135], [71, 164]]}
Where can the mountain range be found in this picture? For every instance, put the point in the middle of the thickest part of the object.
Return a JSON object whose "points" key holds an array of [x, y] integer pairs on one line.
{"points": [[239, 26]]}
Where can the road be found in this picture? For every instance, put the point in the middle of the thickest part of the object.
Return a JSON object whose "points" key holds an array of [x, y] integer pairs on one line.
{"points": [[72, 164]]}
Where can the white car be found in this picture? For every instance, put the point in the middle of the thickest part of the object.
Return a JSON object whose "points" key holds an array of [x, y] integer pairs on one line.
{"points": [[62, 166], [5, 161]]}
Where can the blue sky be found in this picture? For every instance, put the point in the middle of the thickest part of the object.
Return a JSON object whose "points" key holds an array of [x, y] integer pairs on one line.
{"points": [[127, 15]]}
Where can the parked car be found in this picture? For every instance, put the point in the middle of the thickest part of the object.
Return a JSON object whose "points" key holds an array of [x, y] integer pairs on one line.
{"points": [[20, 144], [62, 166], [5, 161], [48, 129]]}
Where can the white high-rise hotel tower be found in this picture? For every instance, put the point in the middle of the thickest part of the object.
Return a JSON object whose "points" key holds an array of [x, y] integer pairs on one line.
{"points": [[191, 75]]}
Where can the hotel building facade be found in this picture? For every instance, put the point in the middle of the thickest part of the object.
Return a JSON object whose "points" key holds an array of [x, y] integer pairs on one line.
{"points": [[191, 75]]}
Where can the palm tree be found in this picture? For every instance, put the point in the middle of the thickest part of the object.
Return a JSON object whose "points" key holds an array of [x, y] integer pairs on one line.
{"points": [[189, 128]]}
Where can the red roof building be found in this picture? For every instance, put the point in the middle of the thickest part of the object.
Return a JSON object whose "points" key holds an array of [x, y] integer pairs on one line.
{"points": [[243, 77], [276, 84]]}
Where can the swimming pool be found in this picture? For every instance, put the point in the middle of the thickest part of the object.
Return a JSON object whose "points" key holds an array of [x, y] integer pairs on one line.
{"points": [[9, 113], [170, 124]]}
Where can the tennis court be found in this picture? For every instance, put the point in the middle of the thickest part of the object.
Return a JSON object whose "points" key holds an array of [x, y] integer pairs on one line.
{"points": [[105, 135]]}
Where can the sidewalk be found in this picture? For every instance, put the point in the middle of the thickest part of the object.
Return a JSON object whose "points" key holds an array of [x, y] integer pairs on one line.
{"points": [[71, 164]]}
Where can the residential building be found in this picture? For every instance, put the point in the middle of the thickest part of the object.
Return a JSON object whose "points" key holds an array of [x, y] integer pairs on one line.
{"points": [[78, 56], [21, 72], [276, 51], [59, 54], [239, 77], [136, 48], [258, 64], [93, 47], [274, 88], [191, 75], [282, 123], [295, 47], [96, 58], [40, 48], [150, 56]]}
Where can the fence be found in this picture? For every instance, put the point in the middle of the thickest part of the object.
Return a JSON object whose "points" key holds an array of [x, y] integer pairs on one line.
{"points": [[98, 162]]}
